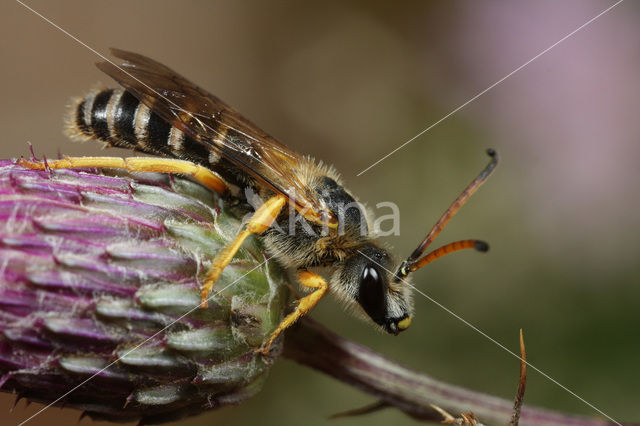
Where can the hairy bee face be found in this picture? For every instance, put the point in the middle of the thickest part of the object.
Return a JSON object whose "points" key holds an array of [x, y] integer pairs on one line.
{"points": [[367, 284]]}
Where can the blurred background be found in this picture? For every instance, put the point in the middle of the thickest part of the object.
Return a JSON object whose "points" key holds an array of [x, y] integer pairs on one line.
{"points": [[348, 82]]}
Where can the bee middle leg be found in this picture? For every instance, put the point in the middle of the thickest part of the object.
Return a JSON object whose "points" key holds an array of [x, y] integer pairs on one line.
{"points": [[305, 304], [261, 220]]}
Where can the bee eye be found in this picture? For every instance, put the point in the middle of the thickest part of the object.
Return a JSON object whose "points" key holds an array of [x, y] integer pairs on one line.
{"points": [[371, 295]]}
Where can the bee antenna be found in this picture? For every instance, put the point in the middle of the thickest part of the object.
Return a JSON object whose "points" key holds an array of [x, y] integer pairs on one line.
{"points": [[414, 262]]}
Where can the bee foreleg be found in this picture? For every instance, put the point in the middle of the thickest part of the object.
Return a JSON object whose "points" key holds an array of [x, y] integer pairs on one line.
{"points": [[305, 304], [261, 220], [136, 164]]}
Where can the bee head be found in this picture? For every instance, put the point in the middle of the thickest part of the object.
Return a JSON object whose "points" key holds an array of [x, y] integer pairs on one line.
{"points": [[368, 284]]}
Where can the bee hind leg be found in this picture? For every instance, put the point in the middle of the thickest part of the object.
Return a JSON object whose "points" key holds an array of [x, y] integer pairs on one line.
{"points": [[261, 220], [136, 164], [305, 304]]}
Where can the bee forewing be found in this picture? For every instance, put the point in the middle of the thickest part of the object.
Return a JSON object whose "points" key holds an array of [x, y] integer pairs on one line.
{"points": [[215, 125]]}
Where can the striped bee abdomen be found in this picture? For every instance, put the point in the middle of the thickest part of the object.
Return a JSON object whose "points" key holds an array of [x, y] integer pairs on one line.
{"points": [[116, 117]]}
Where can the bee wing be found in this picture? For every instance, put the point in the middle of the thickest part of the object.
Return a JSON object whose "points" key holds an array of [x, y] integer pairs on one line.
{"points": [[216, 125]]}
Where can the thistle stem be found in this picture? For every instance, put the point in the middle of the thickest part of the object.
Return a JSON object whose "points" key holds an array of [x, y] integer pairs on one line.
{"points": [[311, 344]]}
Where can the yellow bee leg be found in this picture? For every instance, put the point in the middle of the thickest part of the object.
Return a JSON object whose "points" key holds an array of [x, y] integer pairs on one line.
{"points": [[136, 164], [261, 220], [307, 279]]}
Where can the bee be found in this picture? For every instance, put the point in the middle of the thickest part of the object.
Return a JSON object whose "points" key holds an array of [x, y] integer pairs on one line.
{"points": [[308, 220]]}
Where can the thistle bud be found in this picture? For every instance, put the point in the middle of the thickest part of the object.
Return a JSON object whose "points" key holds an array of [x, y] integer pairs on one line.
{"points": [[100, 279]]}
